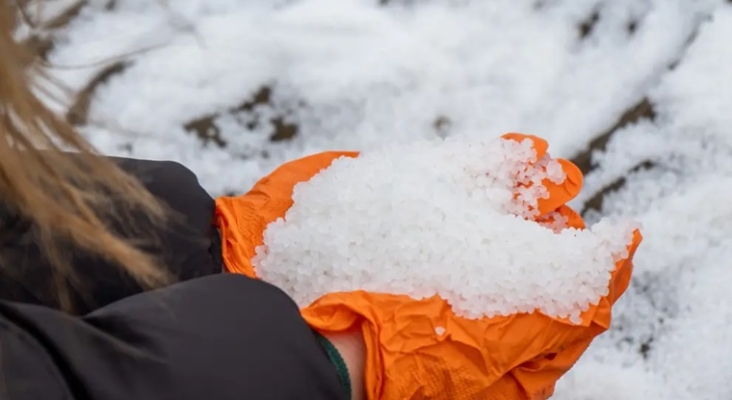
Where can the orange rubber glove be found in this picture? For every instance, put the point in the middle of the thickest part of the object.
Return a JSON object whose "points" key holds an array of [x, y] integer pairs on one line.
{"points": [[419, 349]]}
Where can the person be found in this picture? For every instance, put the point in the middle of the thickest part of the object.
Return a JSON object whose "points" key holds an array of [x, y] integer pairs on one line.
{"points": [[123, 279], [110, 275]]}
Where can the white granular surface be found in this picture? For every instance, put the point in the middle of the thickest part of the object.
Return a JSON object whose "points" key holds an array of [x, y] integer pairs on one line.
{"points": [[445, 218]]}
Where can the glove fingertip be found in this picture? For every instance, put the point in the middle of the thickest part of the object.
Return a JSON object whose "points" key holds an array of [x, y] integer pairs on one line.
{"points": [[574, 178], [540, 145]]}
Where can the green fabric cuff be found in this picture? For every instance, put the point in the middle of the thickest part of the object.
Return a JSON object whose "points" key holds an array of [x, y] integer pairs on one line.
{"points": [[340, 365]]}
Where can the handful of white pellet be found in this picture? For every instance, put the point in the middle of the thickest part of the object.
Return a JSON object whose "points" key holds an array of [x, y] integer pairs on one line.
{"points": [[452, 218]]}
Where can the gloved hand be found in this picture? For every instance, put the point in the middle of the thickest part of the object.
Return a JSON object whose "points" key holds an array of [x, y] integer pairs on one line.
{"points": [[419, 349]]}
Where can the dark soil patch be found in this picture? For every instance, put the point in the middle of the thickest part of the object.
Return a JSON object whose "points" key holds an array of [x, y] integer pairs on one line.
{"points": [[640, 111], [209, 132], [596, 201], [643, 110], [442, 125], [78, 113], [42, 43], [586, 27]]}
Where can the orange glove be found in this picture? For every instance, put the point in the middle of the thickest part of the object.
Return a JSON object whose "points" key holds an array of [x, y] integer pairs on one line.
{"points": [[419, 349]]}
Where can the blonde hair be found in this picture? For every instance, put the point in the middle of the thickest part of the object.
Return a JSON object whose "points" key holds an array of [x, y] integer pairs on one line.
{"points": [[70, 200]]}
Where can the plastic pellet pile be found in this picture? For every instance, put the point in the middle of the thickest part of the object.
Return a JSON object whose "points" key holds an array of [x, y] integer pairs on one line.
{"points": [[452, 218]]}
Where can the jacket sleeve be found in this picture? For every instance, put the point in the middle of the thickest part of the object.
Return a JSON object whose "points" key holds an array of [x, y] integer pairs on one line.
{"points": [[222, 337], [187, 244]]}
